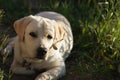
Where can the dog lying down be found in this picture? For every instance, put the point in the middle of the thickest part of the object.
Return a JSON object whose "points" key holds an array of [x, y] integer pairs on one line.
{"points": [[43, 41]]}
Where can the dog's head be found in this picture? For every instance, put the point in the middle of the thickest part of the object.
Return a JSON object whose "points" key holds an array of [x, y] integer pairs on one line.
{"points": [[38, 35]]}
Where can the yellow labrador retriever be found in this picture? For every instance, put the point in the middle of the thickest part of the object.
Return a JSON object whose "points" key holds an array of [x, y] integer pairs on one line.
{"points": [[43, 41]]}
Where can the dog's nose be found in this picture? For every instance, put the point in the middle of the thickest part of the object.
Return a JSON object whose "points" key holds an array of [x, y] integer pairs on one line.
{"points": [[41, 52]]}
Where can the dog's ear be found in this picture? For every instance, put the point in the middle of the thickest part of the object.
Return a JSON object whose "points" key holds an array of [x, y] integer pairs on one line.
{"points": [[20, 26], [59, 34]]}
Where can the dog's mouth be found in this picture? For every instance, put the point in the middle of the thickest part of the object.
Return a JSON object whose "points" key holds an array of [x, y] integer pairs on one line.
{"points": [[32, 60], [41, 57]]}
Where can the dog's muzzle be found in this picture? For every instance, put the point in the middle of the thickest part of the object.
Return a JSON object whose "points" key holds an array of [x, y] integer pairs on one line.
{"points": [[41, 53]]}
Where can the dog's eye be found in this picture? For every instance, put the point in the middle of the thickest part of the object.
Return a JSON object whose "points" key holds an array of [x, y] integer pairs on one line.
{"points": [[32, 34], [49, 36]]}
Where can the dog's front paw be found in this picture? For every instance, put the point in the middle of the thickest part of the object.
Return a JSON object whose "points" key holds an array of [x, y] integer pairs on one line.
{"points": [[6, 50], [43, 76]]}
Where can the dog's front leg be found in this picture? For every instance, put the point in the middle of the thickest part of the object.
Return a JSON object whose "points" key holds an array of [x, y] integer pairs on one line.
{"points": [[52, 74], [9, 47], [19, 69]]}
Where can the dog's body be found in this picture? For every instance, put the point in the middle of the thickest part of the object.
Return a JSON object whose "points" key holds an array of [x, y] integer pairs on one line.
{"points": [[44, 41]]}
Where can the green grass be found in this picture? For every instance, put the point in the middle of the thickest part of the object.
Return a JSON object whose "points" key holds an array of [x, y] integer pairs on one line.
{"points": [[5, 73], [96, 29]]}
